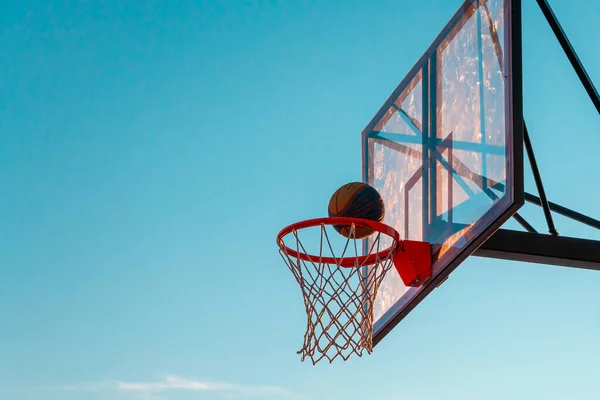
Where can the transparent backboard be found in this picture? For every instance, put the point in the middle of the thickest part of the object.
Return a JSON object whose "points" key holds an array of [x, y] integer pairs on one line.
{"points": [[445, 150]]}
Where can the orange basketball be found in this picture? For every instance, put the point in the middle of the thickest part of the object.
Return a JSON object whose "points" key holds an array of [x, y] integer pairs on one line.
{"points": [[356, 200]]}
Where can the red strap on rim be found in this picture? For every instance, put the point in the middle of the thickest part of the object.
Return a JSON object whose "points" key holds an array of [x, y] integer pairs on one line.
{"points": [[346, 262]]}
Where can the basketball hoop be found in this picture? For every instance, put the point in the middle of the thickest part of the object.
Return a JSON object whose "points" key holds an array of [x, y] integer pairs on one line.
{"points": [[339, 287]]}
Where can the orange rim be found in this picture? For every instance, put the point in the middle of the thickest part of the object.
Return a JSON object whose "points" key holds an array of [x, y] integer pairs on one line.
{"points": [[346, 262]]}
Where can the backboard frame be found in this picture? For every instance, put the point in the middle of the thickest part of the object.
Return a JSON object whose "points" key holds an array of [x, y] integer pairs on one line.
{"points": [[515, 195]]}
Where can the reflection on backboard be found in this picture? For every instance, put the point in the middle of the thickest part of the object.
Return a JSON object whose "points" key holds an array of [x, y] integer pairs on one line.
{"points": [[445, 150]]}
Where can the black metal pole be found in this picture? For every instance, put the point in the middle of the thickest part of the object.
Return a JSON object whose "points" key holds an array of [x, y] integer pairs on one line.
{"points": [[538, 181], [570, 52], [543, 249], [567, 212], [523, 222]]}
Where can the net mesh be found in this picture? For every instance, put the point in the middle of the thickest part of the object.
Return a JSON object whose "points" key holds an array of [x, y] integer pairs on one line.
{"points": [[338, 300]]}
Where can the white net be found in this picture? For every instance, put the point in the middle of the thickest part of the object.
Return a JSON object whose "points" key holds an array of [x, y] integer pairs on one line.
{"points": [[338, 299]]}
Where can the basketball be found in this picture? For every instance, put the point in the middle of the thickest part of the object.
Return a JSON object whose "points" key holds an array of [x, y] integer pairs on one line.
{"points": [[356, 200]]}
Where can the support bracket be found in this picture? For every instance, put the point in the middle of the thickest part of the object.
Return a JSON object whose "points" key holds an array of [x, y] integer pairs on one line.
{"points": [[542, 249]]}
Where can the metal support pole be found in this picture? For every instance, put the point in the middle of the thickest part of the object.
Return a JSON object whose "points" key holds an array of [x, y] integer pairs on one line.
{"points": [[567, 212], [543, 249], [570, 52], [523, 222], [538, 181]]}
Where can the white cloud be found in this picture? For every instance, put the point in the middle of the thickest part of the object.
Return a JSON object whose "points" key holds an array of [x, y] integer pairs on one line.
{"points": [[176, 383]]}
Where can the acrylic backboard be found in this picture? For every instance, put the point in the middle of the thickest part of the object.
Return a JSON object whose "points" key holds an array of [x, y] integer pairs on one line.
{"points": [[445, 151]]}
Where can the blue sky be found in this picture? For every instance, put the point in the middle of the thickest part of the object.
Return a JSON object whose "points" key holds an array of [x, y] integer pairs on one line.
{"points": [[150, 151]]}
